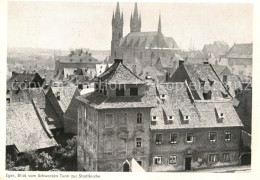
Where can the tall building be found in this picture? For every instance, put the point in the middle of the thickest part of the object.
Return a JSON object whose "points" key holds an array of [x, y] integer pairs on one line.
{"points": [[114, 121], [166, 127], [142, 48]]}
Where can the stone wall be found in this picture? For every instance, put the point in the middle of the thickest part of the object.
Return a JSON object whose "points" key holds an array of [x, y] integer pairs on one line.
{"points": [[198, 150]]}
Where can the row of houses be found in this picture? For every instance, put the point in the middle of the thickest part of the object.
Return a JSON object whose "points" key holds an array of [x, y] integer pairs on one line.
{"points": [[173, 126]]}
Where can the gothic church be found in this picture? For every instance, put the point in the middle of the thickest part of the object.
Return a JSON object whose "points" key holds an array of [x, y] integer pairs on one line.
{"points": [[141, 48]]}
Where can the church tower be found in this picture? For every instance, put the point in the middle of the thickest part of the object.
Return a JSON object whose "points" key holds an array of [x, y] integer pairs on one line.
{"points": [[135, 21], [117, 31]]}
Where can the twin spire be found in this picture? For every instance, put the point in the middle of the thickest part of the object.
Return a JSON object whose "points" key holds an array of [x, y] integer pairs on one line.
{"points": [[117, 18], [135, 21]]}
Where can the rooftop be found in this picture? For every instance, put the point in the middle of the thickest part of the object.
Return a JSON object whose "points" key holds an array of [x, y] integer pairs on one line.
{"points": [[24, 129], [118, 73], [240, 51], [201, 114], [100, 101]]}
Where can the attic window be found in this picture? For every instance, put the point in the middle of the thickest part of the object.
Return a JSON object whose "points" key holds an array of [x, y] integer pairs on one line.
{"points": [[221, 115], [154, 117], [207, 95], [170, 117], [202, 82], [8, 100], [163, 96], [186, 118], [211, 82], [58, 96]]}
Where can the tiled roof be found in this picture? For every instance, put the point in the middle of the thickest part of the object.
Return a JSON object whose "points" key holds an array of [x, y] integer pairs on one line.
{"points": [[24, 78], [153, 72], [77, 58], [118, 73], [66, 95], [218, 48], [100, 101], [24, 129], [240, 51], [219, 69], [148, 40], [201, 114], [205, 72]]}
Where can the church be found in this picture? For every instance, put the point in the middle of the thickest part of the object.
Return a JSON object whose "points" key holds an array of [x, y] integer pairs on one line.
{"points": [[141, 48]]}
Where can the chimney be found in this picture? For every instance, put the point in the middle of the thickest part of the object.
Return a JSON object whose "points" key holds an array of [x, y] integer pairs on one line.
{"points": [[167, 76], [118, 60], [148, 79]]}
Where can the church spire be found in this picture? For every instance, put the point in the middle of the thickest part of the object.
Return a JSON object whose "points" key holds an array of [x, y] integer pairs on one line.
{"points": [[117, 15], [159, 24], [135, 21]]}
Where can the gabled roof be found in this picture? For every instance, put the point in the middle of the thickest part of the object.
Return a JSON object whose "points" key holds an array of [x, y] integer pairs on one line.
{"points": [[205, 72], [240, 51], [23, 79], [220, 69], [100, 101], [201, 114], [66, 95], [24, 129], [218, 48], [148, 40], [118, 73], [77, 57]]}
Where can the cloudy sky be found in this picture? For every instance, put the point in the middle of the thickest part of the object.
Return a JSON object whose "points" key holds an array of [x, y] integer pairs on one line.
{"points": [[64, 25]]}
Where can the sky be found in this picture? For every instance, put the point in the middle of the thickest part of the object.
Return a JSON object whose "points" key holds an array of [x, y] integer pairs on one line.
{"points": [[66, 25]]}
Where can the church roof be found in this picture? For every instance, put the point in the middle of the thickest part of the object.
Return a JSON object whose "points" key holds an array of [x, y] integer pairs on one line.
{"points": [[240, 51], [148, 40], [24, 129], [118, 73]]}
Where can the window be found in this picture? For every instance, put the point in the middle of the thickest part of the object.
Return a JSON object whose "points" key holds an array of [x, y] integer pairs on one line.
{"points": [[8, 100], [109, 120], [139, 118], [186, 118], [108, 145], [213, 158], [122, 145], [158, 139], [138, 142], [120, 91], [226, 157], [123, 119], [189, 137], [154, 117], [58, 96], [212, 136], [157, 160], [173, 138], [133, 91], [139, 162], [227, 135], [170, 117], [173, 159]]}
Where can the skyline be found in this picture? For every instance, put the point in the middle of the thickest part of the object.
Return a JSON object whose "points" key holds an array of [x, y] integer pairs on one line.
{"points": [[65, 25]]}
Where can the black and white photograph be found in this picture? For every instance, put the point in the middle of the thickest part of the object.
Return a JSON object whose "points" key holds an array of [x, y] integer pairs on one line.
{"points": [[128, 86]]}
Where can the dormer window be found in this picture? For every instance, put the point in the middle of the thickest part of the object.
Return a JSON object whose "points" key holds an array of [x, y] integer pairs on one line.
{"points": [[58, 96], [163, 96], [186, 118], [170, 117], [154, 117], [220, 115], [211, 82], [207, 95], [202, 82]]}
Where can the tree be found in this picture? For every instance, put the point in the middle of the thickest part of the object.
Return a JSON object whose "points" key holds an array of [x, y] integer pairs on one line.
{"points": [[44, 162]]}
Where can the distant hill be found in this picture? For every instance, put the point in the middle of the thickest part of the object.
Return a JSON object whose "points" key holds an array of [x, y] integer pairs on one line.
{"points": [[37, 53]]}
